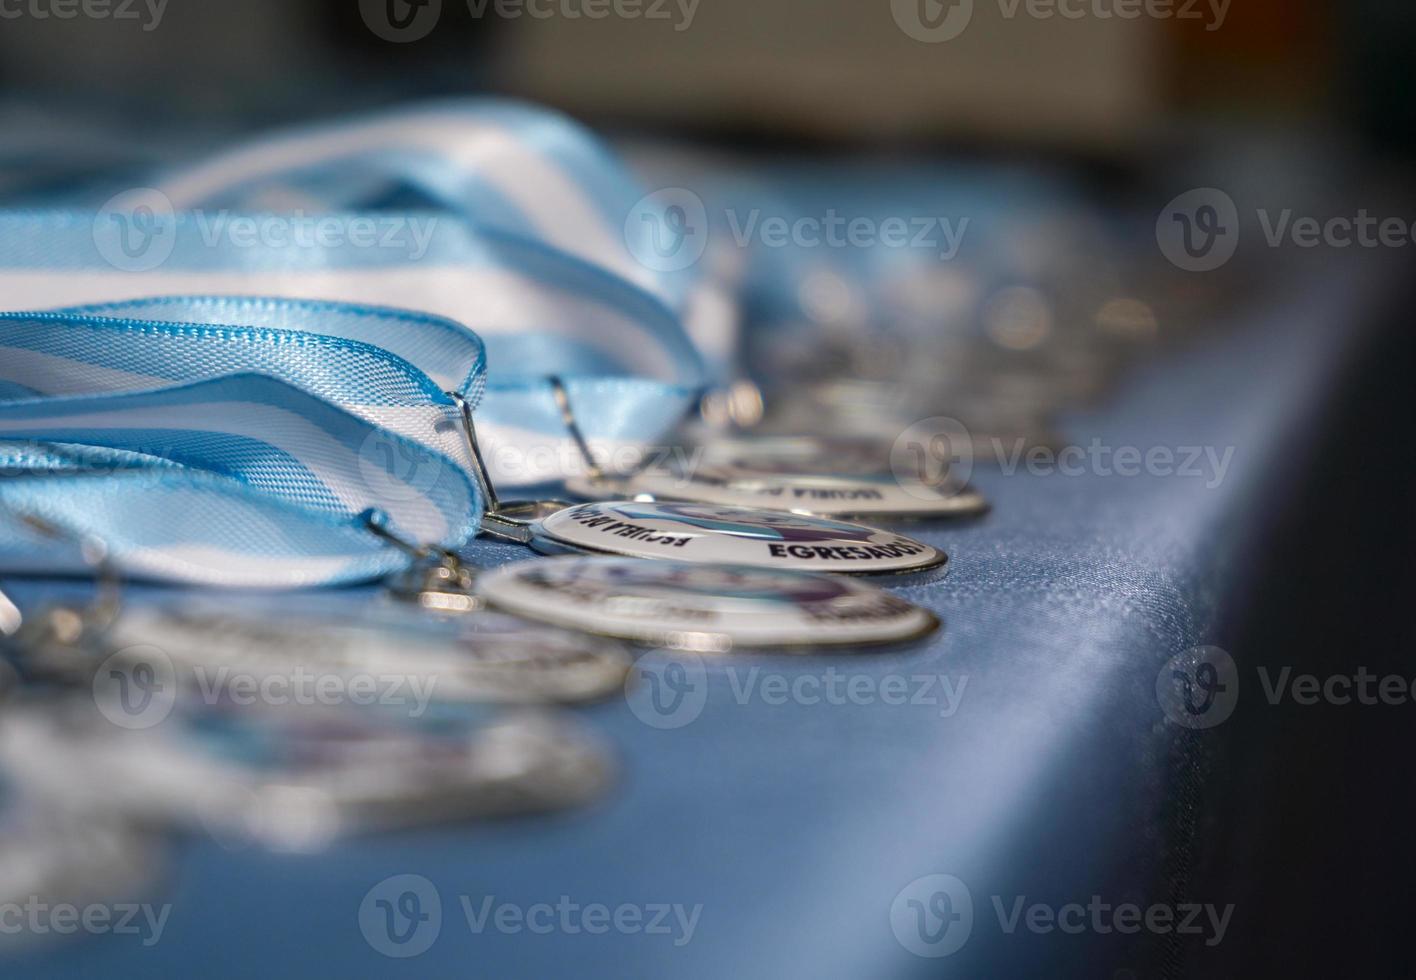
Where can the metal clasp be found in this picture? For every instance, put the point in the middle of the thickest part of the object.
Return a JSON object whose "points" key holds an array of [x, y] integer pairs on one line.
{"points": [[506, 520], [438, 579]]}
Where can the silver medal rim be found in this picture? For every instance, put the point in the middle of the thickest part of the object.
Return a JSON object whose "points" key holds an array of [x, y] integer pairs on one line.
{"points": [[967, 503], [595, 676], [717, 643]]}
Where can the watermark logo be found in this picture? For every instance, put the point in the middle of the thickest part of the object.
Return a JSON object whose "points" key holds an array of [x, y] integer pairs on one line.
{"points": [[1198, 231], [1208, 463], [672, 693], [398, 470], [667, 691], [401, 21], [1198, 688], [834, 688], [933, 916], [681, 12], [667, 231], [935, 454], [136, 687], [401, 916], [831, 229], [1362, 230], [148, 12], [36, 916], [938, 455], [676, 921], [135, 231], [299, 685], [1339, 690], [1207, 922], [932, 21]]}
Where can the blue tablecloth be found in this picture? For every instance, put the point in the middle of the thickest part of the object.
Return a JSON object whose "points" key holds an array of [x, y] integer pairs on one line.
{"points": [[795, 826]]}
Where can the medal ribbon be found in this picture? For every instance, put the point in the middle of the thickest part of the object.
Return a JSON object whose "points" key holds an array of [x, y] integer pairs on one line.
{"points": [[241, 439]]}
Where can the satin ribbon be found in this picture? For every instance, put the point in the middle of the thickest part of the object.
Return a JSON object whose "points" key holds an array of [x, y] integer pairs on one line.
{"points": [[242, 480], [253, 417]]}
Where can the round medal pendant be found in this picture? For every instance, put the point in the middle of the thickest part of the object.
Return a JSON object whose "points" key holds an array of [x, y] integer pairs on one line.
{"points": [[478, 657], [714, 533], [828, 478], [866, 495], [707, 608], [296, 776]]}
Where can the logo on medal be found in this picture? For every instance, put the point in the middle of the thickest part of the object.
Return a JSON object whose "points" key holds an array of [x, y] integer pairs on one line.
{"points": [[667, 231], [932, 916], [401, 916], [1198, 688], [1198, 231], [136, 231], [932, 21], [667, 692], [136, 687]]}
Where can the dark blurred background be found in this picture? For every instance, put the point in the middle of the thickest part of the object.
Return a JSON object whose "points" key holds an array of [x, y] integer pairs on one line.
{"points": [[812, 70]]}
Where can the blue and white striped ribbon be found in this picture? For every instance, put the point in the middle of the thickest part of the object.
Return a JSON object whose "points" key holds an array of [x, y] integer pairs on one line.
{"points": [[183, 526], [538, 310], [209, 432], [153, 474], [501, 166], [153, 343]]}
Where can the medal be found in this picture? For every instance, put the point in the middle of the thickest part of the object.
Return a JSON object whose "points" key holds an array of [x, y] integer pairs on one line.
{"points": [[806, 475], [297, 777], [877, 495], [705, 607], [688, 531], [708, 533], [294, 734], [313, 640], [485, 657]]}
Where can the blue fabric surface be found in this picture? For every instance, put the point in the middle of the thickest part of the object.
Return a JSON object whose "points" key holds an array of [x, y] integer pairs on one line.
{"points": [[795, 825]]}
